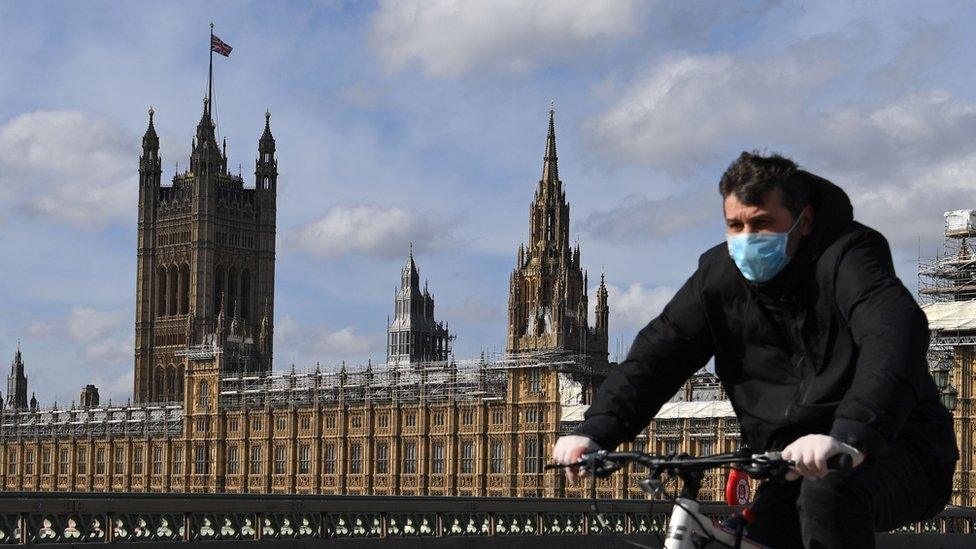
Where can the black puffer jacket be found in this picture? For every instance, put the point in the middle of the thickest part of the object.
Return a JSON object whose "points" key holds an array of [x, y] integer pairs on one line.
{"points": [[833, 344]]}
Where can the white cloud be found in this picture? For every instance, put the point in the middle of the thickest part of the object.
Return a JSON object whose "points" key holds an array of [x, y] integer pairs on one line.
{"points": [[101, 336], [451, 37], [903, 159], [307, 344], [473, 310], [376, 231], [117, 388], [638, 217], [67, 167], [632, 308], [87, 324], [688, 110]]}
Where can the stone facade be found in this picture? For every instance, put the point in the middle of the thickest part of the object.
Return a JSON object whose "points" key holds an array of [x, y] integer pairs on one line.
{"points": [[481, 429], [209, 416], [547, 300], [206, 246]]}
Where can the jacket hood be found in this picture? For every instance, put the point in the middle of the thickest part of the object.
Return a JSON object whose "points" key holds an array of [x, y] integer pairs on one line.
{"points": [[833, 216]]}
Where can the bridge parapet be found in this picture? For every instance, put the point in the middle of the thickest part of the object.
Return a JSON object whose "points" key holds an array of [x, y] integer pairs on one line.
{"points": [[358, 521]]}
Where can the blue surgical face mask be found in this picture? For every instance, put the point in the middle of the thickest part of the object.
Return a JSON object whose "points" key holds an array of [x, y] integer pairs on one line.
{"points": [[760, 256]]}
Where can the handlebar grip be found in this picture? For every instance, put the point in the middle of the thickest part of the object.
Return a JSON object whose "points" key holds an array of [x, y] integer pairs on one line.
{"points": [[840, 462]]}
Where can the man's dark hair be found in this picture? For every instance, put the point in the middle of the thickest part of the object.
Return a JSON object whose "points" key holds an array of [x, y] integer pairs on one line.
{"points": [[753, 175]]}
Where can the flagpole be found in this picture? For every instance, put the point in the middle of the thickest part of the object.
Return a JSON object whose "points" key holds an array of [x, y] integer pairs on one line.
{"points": [[210, 76]]}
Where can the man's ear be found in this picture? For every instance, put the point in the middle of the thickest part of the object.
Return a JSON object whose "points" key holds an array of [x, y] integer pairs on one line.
{"points": [[806, 220]]}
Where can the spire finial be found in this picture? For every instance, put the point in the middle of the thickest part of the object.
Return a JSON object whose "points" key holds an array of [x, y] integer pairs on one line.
{"points": [[550, 170], [152, 111], [411, 249], [267, 114]]}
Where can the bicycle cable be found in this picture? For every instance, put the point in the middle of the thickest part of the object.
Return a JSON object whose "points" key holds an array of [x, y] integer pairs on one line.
{"points": [[605, 524]]}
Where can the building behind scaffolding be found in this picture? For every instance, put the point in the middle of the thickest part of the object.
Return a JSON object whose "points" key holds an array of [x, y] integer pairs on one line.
{"points": [[479, 427], [209, 415], [947, 289]]}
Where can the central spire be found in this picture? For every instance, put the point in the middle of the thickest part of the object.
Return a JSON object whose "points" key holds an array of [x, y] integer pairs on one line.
{"points": [[205, 129], [550, 169]]}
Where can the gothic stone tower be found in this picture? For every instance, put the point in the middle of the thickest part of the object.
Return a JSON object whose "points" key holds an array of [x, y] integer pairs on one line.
{"points": [[414, 335], [17, 383], [547, 302], [206, 252]]}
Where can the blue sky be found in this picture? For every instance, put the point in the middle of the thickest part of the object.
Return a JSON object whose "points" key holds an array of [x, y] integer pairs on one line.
{"points": [[425, 121]]}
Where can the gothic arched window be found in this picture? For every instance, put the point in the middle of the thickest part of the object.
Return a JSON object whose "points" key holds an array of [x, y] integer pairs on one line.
{"points": [[185, 289], [246, 294], [161, 295], [232, 297], [171, 383], [174, 287], [179, 382], [203, 393], [158, 381]]}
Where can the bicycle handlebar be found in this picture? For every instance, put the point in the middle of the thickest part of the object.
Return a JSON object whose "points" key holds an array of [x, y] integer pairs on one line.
{"points": [[603, 463]]}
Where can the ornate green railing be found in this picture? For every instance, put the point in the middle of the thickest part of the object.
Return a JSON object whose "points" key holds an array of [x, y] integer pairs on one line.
{"points": [[74, 518]]}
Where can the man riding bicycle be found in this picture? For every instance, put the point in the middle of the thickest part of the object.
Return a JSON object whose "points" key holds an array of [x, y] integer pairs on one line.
{"points": [[821, 350]]}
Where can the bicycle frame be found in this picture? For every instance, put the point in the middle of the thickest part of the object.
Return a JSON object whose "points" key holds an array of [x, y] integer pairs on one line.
{"points": [[688, 528], [685, 529]]}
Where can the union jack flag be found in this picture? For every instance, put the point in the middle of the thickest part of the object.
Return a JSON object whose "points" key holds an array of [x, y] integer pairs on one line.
{"points": [[219, 46]]}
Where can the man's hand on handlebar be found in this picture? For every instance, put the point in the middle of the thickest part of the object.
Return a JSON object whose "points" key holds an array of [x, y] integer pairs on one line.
{"points": [[570, 449], [811, 452]]}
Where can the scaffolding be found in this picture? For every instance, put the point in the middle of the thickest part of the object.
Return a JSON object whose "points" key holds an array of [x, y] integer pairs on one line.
{"points": [[98, 421], [951, 276], [482, 379], [479, 379]]}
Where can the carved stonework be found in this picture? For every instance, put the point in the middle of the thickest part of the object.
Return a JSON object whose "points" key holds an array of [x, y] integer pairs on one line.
{"points": [[190, 268], [548, 294]]}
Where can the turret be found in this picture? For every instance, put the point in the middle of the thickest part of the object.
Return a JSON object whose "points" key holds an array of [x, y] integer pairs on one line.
{"points": [[235, 324], [265, 335], [89, 396], [266, 166], [17, 383], [149, 162], [150, 171], [410, 277], [206, 157], [602, 310], [221, 320]]}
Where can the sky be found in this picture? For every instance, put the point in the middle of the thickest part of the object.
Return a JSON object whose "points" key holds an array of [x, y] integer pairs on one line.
{"points": [[424, 121]]}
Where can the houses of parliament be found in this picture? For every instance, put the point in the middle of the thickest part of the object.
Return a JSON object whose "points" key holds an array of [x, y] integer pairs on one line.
{"points": [[209, 414]]}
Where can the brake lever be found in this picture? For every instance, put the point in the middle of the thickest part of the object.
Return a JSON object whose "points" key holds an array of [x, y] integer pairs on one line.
{"points": [[772, 464], [767, 465]]}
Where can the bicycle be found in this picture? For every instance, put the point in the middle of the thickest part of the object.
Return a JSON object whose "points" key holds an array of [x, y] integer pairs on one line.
{"points": [[688, 528]]}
